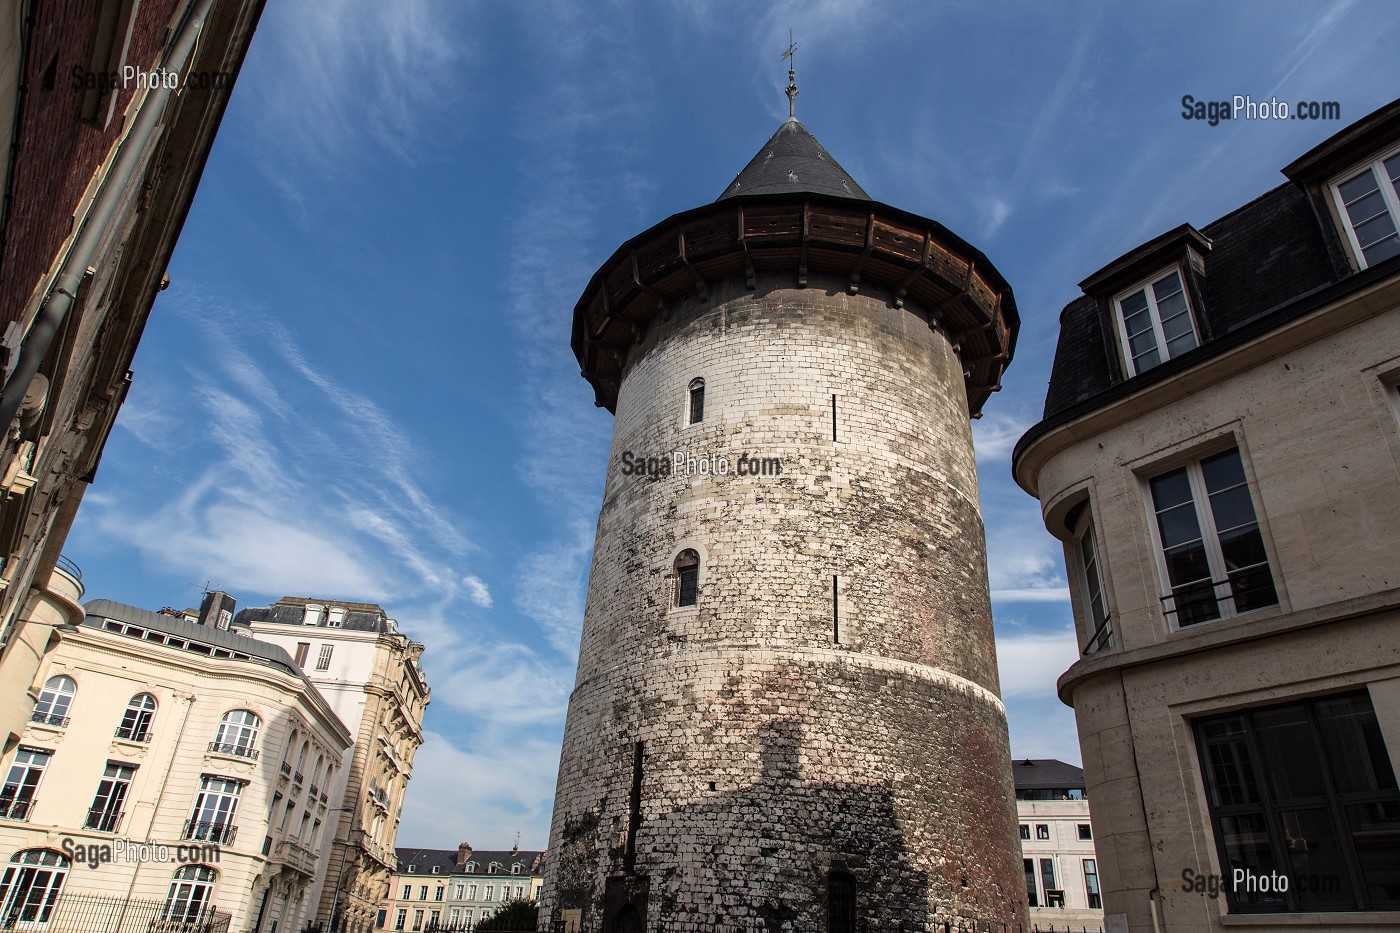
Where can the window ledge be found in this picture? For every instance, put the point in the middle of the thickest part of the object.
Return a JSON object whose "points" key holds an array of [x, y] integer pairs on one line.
{"points": [[1332, 918]]}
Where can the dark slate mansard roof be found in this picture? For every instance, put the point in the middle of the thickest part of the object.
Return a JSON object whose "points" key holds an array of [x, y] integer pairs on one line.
{"points": [[1263, 255], [99, 610], [1274, 259], [1046, 774], [794, 162], [423, 860], [294, 613]]}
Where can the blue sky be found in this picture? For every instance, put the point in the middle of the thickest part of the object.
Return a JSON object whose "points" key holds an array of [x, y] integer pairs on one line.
{"points": [[359, 384]]}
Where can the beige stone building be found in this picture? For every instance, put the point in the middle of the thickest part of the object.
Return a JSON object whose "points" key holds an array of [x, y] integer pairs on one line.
{"points": [[453, 890], [152, 730], [1219, 455], [371, 676], [1057, 845]]}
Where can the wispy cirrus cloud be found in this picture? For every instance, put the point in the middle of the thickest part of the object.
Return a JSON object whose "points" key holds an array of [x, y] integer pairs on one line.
{"points": [[338, 74]]}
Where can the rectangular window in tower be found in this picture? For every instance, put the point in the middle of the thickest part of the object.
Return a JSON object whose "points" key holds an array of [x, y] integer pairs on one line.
{"points": [[688, 584], [835, 609], [833, 418], [697, 401], [634, 809], [1210, 549]]}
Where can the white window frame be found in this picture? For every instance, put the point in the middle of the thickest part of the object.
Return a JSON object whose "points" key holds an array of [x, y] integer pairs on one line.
{"points": [[1388, 194], [1154, 315], [1086, 526], [1210, 536]]}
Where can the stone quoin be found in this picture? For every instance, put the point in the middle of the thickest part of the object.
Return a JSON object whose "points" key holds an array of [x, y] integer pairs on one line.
{"points": [[786, 715]]}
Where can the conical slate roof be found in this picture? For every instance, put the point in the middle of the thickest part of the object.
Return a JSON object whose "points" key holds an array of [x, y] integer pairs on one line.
{"points": [[793, 162]]}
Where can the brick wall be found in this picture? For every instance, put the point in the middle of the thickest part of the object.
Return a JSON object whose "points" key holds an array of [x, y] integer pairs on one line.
{"points": [[58, 153]]}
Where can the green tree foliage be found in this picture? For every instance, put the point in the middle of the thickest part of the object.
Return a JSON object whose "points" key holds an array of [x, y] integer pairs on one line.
{"points": [[518, 914]]}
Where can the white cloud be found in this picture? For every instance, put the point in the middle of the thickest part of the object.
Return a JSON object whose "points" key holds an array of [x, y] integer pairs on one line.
{"points": [[481, 791], [477, 591], [1031, 661]]}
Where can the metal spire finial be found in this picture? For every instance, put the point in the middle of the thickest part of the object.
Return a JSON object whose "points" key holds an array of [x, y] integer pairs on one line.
{"points": [[792, 78]]}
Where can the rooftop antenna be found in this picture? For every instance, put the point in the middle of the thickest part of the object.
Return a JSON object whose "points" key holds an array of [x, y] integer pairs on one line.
{"points": [[792, 77]]}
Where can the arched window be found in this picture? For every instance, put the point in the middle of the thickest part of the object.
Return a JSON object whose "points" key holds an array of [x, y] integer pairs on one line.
{"points": [[697, 401], [31, 884], [191, 894], [471, 868], [687, 577], [840, 902], [515, 868], [494, 867], [301, 760], [316, 773], [238, 730], [55, 701], [136, 721]]}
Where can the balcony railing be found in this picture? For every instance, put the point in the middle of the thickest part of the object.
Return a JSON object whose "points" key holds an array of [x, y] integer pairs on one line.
{"points": [[49, 719], [286, 768], [1102, 637], [103, 820], [14, 808], [65, 563], [296, 777], [324, 798], [88, 913], [1248, 588], [137, 733], [210, 831], [241, 751], [312, 791]]}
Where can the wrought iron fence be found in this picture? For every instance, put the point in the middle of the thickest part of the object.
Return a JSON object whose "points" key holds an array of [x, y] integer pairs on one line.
{"points": [[210, 831], [90, 913]]}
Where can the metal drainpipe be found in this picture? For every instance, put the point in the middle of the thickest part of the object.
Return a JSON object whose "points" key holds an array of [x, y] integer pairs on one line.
{"points": [[124, 169]]}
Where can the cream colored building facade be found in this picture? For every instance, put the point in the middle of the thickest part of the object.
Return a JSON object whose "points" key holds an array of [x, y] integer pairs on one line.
{"points": [[371, 676], [1219, 455], [153, 729], [454, 890], [1057, 845]]}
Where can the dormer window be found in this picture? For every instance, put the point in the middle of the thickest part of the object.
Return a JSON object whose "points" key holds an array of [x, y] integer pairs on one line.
{"points": [[1370, 203], [1154, 322]]}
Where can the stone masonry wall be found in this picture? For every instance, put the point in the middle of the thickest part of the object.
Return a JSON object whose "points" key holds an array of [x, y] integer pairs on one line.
{"points": [[779, 741]]}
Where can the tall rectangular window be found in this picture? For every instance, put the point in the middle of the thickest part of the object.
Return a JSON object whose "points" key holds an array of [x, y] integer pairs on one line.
{"points": [[1029, 865], [1154, 322], [1211, 550], [407, 892], [26, 771], [400, 919], [1096, 614], [417, 920], [1370, 203], [1025, 831], [1091, 883], [1306, 790], [324, 660], [212, 820], [697, 401], [1047, 878], [423, 892], [106, 810], [303, 649], [1042, 831]]}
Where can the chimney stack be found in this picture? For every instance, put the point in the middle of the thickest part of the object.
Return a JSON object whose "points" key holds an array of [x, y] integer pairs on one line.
{"points": [[464, 852], [217, 609]]}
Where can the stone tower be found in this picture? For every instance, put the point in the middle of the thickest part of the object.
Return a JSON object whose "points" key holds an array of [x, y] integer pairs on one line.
{"points": [[786, 715]]}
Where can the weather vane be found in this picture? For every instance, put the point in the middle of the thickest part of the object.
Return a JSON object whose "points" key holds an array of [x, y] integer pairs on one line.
{"points": [[792, 77]]}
